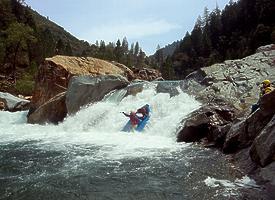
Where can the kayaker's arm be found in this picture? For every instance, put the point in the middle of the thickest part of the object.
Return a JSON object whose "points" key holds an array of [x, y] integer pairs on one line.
{"points": [[125, 114]]}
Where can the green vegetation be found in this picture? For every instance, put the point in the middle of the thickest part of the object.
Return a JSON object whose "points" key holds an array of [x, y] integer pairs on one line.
{"points": [[233, 33], [27, 38]]}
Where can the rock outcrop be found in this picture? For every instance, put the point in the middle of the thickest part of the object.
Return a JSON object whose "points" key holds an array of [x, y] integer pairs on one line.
{"points": [[263, 148], [55, 73], [243, 133], [170, 87], [234, 79], [146, 74], [83, 90], [12, 103], [250, 138], [210, 122], [53, 111]]}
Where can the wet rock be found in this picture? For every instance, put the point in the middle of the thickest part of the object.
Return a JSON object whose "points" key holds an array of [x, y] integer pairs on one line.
{"points": [[83, 90], [233, 141], [210, 121], [53, 111], [2, 105], [267, 174], [263, 148], [170, 87], [263, 176], [12, 103], [159, 79], [134, 89]]}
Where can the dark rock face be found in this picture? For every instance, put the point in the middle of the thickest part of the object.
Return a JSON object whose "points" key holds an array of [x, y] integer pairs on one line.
{"points": [[83, 90], [263, 148], [210, 121], [242, 134], [53, 111], [12, 103], [267, 176]]}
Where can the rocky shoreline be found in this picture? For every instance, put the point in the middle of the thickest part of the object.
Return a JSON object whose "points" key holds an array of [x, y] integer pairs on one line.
{"points": [[226, 123], [65, 84]]}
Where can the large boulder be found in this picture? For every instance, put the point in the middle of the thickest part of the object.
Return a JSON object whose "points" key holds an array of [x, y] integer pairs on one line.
{"points": [[263, 148], [242, 134], [210, 121], [134, 89], [83, 90], [12, 103], [234, 79], [170, 87], [55, 73], [148, 74], [53, 111]]}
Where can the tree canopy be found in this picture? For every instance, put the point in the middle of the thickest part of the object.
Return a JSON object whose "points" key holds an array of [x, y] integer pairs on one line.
{"points": [[235, 32]]}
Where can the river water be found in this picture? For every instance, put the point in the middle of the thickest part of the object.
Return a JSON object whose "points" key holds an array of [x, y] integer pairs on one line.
{"points": [[88, 157]]}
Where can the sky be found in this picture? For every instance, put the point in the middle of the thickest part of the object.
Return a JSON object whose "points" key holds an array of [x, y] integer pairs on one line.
{"points": [[150, 22]]}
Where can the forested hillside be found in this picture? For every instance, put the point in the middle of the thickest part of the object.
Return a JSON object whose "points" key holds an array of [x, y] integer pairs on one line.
{"points": [[232, 33], [26, 38]]}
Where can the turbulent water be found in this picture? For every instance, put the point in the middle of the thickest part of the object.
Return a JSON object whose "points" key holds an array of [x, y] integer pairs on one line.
{"points": [[88, 157]]}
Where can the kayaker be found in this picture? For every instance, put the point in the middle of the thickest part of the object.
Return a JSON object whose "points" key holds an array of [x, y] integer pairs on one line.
{"points": [[265, 89], [144, 111], [133, 118]]}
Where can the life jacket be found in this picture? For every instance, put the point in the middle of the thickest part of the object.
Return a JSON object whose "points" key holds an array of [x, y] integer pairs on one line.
{"points": [[134, 120], [266, 90], [144, 111]]}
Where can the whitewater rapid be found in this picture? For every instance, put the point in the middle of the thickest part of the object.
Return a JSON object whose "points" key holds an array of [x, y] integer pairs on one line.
{"points": [[88, 156], [100, 124]]}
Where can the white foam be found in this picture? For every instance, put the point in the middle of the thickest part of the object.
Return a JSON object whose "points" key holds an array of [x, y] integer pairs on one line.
{"points": [[100, 125], [230, 188]]}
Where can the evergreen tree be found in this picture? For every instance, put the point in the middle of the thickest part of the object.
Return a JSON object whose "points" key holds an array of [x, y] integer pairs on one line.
{"points": [[110, 51], [68, 49], [102, 50], [167, 70], [136, 49], [118, 51], [125, 46], [60, 47], [140, 59], [18, 36], [159, 56]]}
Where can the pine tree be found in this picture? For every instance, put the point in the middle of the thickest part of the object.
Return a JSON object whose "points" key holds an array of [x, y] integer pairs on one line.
{"points": [[141, 59], [118, 51], [18, 36], [60, 47], [159, 56], [102, 49], [136, 49], [125, 46]]}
